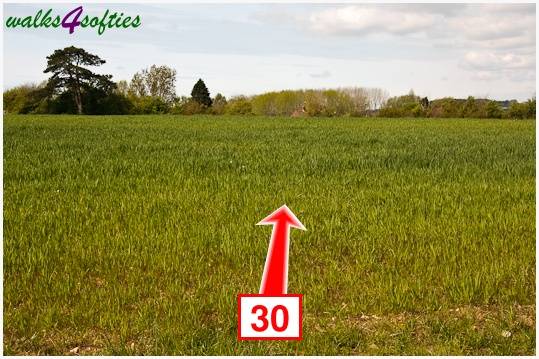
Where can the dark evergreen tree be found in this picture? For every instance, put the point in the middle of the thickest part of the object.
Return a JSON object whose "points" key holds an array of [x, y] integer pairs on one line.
{"points": [[425, 102], [70, 76], [201, 94]]}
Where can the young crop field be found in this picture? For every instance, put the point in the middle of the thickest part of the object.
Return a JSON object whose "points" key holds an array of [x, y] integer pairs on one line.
{"points": [[134, 235]]}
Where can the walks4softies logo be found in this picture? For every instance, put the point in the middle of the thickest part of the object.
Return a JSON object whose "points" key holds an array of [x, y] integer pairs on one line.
{"points": [[75, 18]]}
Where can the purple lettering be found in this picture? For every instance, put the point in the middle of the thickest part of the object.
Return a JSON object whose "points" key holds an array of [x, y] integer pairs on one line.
{"points": [[72, 24]]}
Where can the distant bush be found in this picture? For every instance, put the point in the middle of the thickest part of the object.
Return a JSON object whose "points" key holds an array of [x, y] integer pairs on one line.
{"points": [[332, 102], [283, 103], [239, 105], [481, 108], [191, 107], [15, 98], [517, 111], [531, 110], [113, 104], [493, 110], [314, 103], [288, 102], [146, 105], [155, 81], [218, 105], [336, 103], [403, 106], [522, 110], [446, 107], [361, 100], [265, 104], [25, 99], [411, 106]]}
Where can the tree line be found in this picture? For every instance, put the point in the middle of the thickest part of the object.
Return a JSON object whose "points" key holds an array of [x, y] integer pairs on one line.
{"points": [[74, 89]]}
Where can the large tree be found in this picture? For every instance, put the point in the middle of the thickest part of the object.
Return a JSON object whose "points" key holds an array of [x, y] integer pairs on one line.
{"points": [[201, 94], [69, 74], [157, 81]]}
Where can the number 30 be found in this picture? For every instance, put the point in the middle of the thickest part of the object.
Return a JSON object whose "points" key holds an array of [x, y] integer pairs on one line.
{"points": [[262, 317]]}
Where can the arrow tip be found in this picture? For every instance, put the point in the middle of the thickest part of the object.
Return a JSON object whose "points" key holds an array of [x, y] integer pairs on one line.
{"points": [[283, 213]]}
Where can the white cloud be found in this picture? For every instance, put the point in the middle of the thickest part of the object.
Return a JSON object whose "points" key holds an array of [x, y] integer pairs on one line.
{"points": [[492, 26], [489, 27], [361, 20], [321, 75], [487, 40], [496, 61], [484, 76], [495, 26], [486, 66]]}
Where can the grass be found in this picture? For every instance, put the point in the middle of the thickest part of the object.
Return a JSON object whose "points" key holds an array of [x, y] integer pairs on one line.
{"points": [[133, 235]]}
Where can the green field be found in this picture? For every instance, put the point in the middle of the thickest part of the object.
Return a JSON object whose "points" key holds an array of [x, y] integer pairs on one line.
{"points": [[133, 235]]}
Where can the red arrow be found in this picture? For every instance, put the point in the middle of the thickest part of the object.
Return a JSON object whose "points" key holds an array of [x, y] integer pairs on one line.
{"points": [[275, 277]]}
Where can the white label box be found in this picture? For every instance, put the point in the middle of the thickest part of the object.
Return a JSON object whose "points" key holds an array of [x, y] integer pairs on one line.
{"points": [[263, 317]]}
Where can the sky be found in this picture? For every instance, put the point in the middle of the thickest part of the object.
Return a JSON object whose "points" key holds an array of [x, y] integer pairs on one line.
{"points": [[437, 50]]}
